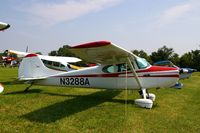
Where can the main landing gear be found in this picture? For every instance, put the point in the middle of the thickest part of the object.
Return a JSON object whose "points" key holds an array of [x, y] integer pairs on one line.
{"points": [[27, 88], [147, 99]]}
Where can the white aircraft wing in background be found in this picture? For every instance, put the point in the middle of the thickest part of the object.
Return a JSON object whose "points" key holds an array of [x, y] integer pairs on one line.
{"points": [[18, 53], [60, 59]]}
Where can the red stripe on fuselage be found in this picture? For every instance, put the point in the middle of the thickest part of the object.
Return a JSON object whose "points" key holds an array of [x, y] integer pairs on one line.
{"points": [[157, 69], [114, 76], [153, 71], [93, 44], [123, 73]]}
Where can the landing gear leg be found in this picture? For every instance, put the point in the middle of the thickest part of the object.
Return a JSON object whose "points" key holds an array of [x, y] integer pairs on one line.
{"points": [[150, 96], [27, 88]]}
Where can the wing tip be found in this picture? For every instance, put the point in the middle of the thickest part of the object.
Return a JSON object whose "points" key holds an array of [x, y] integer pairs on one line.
{"points": [[30, 55]]}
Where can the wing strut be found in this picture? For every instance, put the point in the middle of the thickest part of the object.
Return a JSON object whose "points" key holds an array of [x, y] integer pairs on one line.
{"points": [[144, 102], [134, 72]]}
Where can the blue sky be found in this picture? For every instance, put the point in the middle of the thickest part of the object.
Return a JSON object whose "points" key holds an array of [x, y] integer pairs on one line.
{"points": [[46, 25]]}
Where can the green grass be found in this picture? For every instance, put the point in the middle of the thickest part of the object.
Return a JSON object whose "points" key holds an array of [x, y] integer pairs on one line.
{"points": [[58, 109]]}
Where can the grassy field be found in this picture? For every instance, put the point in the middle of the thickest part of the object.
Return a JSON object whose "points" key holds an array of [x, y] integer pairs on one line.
{"points": [[79, 110]]}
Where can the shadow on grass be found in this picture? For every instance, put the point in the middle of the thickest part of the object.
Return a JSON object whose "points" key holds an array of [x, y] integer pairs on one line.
{"points": [[12, 82], [66, 108], [98, 96], [22, 92], [8, 82]]}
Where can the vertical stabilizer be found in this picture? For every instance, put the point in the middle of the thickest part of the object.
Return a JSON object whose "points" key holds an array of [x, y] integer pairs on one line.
{"points": [[32, 67]]}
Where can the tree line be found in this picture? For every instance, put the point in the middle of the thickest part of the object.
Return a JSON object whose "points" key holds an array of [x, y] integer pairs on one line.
{"points": [[190, 59]]}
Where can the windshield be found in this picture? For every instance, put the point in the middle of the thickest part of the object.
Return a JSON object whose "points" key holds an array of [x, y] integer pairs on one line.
{"points": [[142, 63]]}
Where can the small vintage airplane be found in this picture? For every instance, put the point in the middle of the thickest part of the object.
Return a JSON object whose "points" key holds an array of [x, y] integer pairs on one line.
{"points": [[116, 68], [8, 61], [4, 26]]}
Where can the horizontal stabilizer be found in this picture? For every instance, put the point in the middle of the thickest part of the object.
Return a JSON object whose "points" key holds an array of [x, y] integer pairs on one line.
{"points": [[36, 78]]}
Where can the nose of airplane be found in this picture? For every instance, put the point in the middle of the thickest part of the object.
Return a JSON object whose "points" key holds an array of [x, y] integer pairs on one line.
{"points": [[161, 69], [170, 71]]}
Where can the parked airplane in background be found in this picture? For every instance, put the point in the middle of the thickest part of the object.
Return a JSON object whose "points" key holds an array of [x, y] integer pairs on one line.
{"points": [[53, 62], [4, 26], [8, 61], [117, 69], [184, 72]]}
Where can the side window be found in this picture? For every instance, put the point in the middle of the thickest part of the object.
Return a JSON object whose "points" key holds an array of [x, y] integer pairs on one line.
{"points": [[49, 62], [109, 69], [45, 61], [142, 63], [56, 64], [123, 67], [116, 68], [61, 65], [53, 65]]}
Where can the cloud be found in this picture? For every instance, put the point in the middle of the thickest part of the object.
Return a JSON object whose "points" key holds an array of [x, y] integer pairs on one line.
{"points": [[175, 13], [53, 13]]}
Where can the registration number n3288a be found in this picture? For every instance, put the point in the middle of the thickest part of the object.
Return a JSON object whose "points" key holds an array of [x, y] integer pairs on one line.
{"points": [[74, 81]]}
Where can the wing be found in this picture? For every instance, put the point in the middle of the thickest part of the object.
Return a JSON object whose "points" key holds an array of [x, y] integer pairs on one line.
{"points": [[18, 53], [102, 52], [61, 59]]}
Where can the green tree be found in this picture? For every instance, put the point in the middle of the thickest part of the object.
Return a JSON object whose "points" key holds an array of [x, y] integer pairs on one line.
{"points": [[53, 53], [165, 53], [40, 53], [191, 59], [186, 60], [196, 59], [175, 59], [62, 51], [142, 54]]}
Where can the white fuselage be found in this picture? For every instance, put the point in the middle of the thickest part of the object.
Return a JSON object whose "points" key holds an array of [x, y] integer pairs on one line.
{"points": [[94, 77]]}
